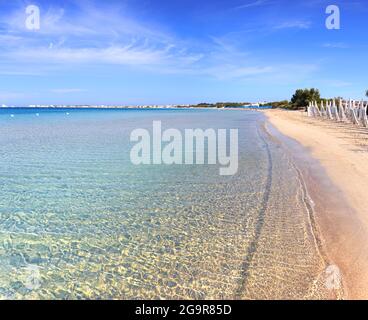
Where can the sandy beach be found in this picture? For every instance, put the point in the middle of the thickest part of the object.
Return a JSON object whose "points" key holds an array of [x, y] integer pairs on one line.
{"points": [[337, 184]]}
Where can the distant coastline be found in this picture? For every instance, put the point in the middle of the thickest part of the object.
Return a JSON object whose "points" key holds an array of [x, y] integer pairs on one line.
{"points": [[217, 105]]}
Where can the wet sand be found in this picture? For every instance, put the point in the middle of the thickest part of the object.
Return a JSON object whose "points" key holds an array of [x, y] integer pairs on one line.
{"points": [[337, 182]]}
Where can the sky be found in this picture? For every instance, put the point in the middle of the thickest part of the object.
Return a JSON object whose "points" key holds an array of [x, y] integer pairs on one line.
{"points": [[134, 52]]}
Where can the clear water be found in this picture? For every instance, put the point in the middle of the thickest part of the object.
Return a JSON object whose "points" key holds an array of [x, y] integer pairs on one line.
{"points": [[95, 226]]}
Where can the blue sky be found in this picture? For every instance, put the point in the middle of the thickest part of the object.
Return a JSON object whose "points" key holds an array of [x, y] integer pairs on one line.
{"points": [[188, 51]]}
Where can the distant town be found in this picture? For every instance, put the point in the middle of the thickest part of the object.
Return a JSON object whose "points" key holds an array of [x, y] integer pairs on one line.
{"points": [[218, 105]]}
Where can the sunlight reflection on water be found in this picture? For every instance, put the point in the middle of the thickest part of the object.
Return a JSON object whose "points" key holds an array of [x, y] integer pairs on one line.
{"points": [[95, 226]]}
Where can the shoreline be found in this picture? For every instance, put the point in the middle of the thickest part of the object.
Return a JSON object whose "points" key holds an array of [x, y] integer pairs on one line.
{"points": [[336, 176]]}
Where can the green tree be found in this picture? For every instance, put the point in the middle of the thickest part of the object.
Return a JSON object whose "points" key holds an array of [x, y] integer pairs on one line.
{"points": [[279, 104], [302, 97]]}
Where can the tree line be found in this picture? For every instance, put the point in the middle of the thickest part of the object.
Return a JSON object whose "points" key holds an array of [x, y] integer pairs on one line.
{"points": [[302, 97], [299, 100]]}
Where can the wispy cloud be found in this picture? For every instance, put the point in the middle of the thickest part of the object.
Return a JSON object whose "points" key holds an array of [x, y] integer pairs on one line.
{"points": [[252, 4], [87, 20], [89, 37], [298, 24], [127, 55], [336, 45]]}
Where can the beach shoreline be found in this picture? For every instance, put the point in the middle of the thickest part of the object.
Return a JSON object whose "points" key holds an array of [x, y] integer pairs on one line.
{"points": [[336, 176]]}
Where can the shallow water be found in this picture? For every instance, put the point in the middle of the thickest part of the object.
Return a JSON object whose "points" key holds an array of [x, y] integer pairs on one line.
{"points": [[93, 225]]}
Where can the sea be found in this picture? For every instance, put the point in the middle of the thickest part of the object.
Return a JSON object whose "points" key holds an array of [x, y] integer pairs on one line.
{"points": [[78, 220]]}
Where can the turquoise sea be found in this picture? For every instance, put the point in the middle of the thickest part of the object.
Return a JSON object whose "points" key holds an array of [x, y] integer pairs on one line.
{"points": [[79, 221]]}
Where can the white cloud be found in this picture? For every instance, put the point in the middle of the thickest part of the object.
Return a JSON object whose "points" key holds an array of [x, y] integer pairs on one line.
{"points": [[110, 55], [298, 24], [92, 37], [252, 4]]}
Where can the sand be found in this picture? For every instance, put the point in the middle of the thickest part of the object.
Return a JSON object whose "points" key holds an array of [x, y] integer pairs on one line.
{"points": [[341, 201]]}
